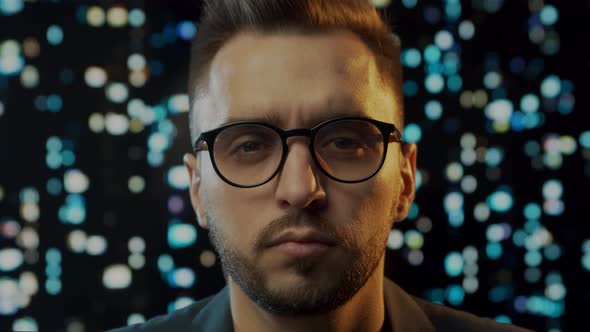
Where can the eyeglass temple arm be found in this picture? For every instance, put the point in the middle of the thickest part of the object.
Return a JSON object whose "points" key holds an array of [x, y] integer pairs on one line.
{"points": [[200, 145], [396, 136]]}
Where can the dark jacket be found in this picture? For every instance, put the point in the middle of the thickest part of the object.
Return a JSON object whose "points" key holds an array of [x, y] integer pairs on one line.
{"points": [[405, 313]]}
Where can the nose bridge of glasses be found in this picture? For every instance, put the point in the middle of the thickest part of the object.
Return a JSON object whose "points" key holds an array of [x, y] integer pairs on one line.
{"points": [[296, 132]]}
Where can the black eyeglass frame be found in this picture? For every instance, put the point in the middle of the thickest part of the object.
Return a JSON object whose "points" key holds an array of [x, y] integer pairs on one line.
{"points": [[389, 132]]}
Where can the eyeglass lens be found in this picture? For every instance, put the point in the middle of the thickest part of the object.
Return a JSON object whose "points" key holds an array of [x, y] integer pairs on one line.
{"points": [[348, 150]]}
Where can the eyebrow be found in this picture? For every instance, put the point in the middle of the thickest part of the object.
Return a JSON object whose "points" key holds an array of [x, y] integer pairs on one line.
{"points": [[275, 119]]}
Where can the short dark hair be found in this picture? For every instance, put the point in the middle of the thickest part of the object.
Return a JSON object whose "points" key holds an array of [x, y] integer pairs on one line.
{"points": [[223, 19]]}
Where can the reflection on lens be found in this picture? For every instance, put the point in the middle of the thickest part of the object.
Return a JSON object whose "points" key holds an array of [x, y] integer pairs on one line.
{"points": [[349, 150], [247, 154]]}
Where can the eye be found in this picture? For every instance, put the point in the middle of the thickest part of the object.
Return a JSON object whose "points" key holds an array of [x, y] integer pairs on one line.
{"points": [[345, 143], [249, 146], [252, 149]]}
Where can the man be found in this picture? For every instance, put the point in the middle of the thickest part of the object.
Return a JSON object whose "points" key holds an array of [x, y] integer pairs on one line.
{"points": [[299, 217]]}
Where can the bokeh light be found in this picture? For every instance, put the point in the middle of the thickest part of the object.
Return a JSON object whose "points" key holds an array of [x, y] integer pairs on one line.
{"points": [[181, 235], [55, 35], [136, 17], [95, 77], [117, 16], [116, 276]]}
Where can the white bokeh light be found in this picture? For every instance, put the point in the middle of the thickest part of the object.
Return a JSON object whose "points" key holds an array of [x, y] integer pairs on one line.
{"points": [[117, 92], [28, 283], [76, 182], [77, 241], [96, 245], [95, 77], [117, 16], [395, 240], [136, 245], [95, 16], [116, 124], [29, 77], [96, 122], [116, 276], [10, 259]]}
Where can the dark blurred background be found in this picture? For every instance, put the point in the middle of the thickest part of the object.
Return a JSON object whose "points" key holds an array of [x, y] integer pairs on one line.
{"points": [[96, 228]]}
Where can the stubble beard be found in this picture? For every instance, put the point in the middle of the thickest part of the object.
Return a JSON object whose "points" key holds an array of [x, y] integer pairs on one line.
{"points": [[311, 298]]}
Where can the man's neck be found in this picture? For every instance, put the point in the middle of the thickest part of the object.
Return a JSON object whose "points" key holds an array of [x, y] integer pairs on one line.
{"points": [[363, 312]]}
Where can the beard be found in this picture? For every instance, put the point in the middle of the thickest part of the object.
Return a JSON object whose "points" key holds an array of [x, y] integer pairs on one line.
{"points": [[362, 256]]}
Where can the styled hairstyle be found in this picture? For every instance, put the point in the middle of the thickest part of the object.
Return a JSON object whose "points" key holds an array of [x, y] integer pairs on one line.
{"points": [[223, 19]]}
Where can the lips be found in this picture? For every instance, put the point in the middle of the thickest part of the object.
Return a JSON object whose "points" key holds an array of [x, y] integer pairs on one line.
{"points": [[301, 243], [302, 237]]}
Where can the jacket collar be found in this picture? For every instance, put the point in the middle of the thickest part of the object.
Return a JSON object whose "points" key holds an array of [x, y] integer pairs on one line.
{"points": [[216, 315], [401, 309], [403, 312]]}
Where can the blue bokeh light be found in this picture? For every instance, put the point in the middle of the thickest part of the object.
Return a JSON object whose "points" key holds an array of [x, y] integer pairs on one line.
{"points": [[55, 35], [455, 83], [412, 133], [494, 156], [454, 264], [54, 186], [155, 158], [409, 3], [165, 263], [414, 211], [530, 103], [433, 109], [586, 261], [432, 54], [533, 258], [500, 201], [411, 58], [551, 86], [54, 103], [183, 277], [11, 7], [494, 250], [455, 295], [499, 293], [532, 211], [585, 139], [549, 15], [181, 235], [53, 286], [453, 10], [503, 319], [186, 30], [410, 88], [136, 17], [434, 83]]}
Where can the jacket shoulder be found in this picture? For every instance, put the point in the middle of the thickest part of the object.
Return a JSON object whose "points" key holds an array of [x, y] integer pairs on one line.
{"points": [[177, 320], [448, 319]]}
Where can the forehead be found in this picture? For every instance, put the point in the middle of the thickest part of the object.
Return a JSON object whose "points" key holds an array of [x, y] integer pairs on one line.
{"points": [[291, 78]]}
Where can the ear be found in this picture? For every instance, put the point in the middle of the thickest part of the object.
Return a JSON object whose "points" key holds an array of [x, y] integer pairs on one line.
{"points": [[194, 172], [408, 177]]}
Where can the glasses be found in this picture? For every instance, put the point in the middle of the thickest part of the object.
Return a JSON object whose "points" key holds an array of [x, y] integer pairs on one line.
{"points": [[248, 154]]}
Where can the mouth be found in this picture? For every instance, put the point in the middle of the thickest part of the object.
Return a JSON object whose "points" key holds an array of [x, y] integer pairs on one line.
{"points": [[302, 243]]}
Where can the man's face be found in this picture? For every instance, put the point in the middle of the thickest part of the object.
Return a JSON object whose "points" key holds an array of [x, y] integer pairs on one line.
{"points": [[302, 80]]}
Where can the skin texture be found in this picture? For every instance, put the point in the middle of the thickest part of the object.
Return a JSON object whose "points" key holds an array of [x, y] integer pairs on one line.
{"points": [[301, 80]]}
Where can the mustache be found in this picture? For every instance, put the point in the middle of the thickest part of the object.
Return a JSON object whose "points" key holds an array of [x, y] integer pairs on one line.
{"points": [[294, 219]]}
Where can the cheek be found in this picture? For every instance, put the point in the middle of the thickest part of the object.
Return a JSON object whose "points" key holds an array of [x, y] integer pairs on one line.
{"points": [[234, 215], [367, 208]]}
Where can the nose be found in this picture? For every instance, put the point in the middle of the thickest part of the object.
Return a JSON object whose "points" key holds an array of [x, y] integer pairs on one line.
{"points": [[299, 184]]}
